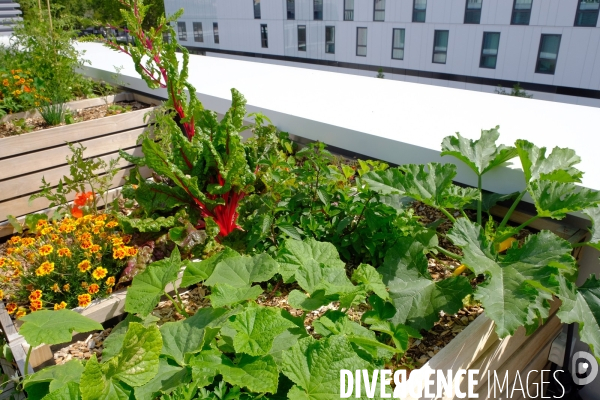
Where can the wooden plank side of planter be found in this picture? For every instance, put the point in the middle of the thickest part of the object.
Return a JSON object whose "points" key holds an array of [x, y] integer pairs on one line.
{"points": [[50, 158], [26, 185], [21, 206], [13, 146]]}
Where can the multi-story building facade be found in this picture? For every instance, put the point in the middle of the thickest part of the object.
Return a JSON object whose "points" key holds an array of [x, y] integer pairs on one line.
{"points": [[550, 47]]}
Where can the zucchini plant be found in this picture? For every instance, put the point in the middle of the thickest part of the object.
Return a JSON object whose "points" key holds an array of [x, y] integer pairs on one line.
{"points": [[519, 284]]}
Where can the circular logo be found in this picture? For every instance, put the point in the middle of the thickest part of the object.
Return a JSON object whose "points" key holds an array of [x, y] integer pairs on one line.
{"points": [[584, 368]]}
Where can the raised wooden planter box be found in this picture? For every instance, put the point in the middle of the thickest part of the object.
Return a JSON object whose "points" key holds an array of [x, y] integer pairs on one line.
{"points": [[26, 158]]}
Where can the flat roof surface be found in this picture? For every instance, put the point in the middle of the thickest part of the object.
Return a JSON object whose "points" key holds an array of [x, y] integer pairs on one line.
{"points": [[396, 121]]}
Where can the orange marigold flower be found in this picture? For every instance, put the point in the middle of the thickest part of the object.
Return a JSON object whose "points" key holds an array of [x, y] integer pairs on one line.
{"points": [[99, 273], [15, 239], [27, 88], [47, 230], [20, 314], [97, 230], [119, 254], [41, 223], [17, 273], [101, 217], [117, 241], [10, 250], [11, 308], [86, 236], [93, 288], [35, 305], [55, 288], [112, 224], [84, 300], [131, 251], [64, 252], [67, 287], [1, 294], [5, 82], [84, 266], [76, 212], [109, 290], [46, 249], [110, 281], [45, 269], [60, 306], [27, 242], [84, 285], [35, 295], [82, 198], [95, 248], [2, 262], [86, 244], [126, 239]]}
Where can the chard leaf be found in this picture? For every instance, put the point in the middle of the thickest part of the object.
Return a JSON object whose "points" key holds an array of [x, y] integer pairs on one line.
{"points": [[55, 327], [583, 307], [519, 284], [557, 167], [223, 294], [257, 327], [258, 374], [186, 337], [168, 378], [417, 298], [152, 196], [196, 272], [147, 224], [594, 214], [480, 155], [241, 271], [149, 285], [371, 279], [294, 254], [555, 199], [314, 366]]}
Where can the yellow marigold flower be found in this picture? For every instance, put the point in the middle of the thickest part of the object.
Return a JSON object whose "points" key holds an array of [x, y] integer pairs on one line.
{"points": [[88, 217], [47, 230], [101, 217], [117, 241], [64, 252], [16, 77], [127, 238], [84, 266], [2, 262], [10, 250], [67, 287], [60, 306], [46, 249], [109, 290], [35, 305], [95, 248], [93, 288], [86, 236], [131, 251], [84, 300], [41, 223], [35, 295], [27, 242], [1, 294], [17, 273], [84, 285], [86, 244], [99, 273], [11, 308], [15, 239], [99, 223], [97, 230], [112, 224], [55, 237], [119, 254], [20, 314], [110, 281], [55, 288], [5, 82], [71, 228], [45, 269]]}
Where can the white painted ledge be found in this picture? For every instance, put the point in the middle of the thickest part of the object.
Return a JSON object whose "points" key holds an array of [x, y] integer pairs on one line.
{"points": [[395, 121]]}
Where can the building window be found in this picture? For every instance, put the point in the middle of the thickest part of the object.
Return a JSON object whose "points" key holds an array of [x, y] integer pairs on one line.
{"points": [[264, 38], [318, 10], [198, 36], [348, 10], [489, 50], [440, 47], [291, 9], [548, 54], [419, 10], [521, 12], [181, 31], [216, 32], [587, 13], [256, 9], [330, 39], [361, 42], [473, 11], [379, 10], [301, 37], [398, 44]]}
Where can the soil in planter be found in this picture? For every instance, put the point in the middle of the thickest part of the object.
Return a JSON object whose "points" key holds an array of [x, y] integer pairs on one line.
{"points": [[26, 125]]}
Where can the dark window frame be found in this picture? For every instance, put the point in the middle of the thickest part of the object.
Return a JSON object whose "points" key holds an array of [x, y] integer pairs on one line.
{"points": [[291, 15], [418, 12], [403, 42], [481, 56], [579, 13], [315, 10], [348, 13], [472, 12], [301, 27], [358, 28], [516, 12], [198, 33], [445, 52], [537, 63], [264, 36], [182, 33], [332, 28], [375, 11], [216, 38], [256, 7]]}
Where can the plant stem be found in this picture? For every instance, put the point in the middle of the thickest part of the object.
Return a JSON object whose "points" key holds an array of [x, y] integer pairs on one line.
{"points": [[177, 305], [448, 253], [517, 229], [580, 244], [49, 15], [447, 214], [27, 360], [480, 200], [511, 209]]}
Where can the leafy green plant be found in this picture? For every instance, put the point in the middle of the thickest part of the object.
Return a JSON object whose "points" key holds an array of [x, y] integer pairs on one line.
{"points": [[516, 91], [54, 112]]}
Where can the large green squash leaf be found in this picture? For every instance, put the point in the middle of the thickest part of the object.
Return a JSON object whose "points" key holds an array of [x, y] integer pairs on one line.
{"points": [[54, 327], [594, 214], [168, 378], [223, 294], [148, 286], [56, 375], [583, 307], [258, 374], [70, 391], [480, 155], [368, 276], [557, 167], [95, 385], [519, 284], [200, 270], [556, 199], [295, 253], [241, 271]]}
